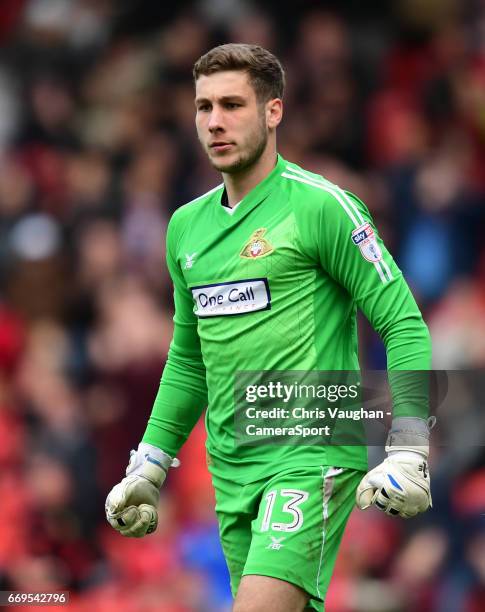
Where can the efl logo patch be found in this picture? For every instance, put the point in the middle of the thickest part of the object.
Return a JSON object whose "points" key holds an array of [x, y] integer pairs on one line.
{"points": [[232, 298], [365, 238], [257, 246]]}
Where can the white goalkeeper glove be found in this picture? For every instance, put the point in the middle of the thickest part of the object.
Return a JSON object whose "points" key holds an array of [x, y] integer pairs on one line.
{"points": [[131, 506], [400, 485]]}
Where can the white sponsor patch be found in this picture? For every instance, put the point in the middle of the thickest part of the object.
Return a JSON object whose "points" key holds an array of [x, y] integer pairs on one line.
{"points": [[365, 238], [232, 298]]}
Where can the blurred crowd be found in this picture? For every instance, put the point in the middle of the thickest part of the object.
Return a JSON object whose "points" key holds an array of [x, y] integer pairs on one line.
{"points": [[97, 149]]}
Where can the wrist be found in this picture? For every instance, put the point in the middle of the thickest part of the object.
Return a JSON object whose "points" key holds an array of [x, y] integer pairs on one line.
{"points": [[409, 435], [151, 463], [157, 456]]}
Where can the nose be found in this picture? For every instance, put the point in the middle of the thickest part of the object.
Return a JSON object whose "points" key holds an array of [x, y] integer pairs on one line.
{"points": [[215, 120]]}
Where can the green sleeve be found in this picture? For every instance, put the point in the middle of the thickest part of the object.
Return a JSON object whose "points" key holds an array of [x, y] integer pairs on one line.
{"points": [[380, 291], [182, 395]]}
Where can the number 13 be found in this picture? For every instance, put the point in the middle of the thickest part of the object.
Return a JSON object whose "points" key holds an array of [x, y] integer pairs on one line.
{"points": [[292, 506]]}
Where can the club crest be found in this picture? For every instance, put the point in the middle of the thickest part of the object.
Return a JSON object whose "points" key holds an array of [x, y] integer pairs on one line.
{"points": [[257, 246]]}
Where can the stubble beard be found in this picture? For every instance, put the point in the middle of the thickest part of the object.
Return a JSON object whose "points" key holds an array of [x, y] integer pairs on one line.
{"points": [[250, 157]]}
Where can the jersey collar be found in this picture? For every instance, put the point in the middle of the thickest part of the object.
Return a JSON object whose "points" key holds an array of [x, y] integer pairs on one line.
{"points": [[256, 195]]}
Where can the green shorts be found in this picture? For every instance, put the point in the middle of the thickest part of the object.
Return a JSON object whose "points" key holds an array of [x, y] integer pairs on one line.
{"points": [[288, 526]]}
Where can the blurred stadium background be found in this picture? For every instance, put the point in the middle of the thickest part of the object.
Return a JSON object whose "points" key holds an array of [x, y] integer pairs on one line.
{"points": [[97, 149]]}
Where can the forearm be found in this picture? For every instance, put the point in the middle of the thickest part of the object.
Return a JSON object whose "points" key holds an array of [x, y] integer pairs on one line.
{"points": [[408, 347], [407, 340], [409, 380], [181, 399]]}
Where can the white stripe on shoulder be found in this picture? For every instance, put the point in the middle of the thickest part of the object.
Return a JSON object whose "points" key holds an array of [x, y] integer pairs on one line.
{"points": [[308, 174], [323, 187], [318, 178], [342, 198]]}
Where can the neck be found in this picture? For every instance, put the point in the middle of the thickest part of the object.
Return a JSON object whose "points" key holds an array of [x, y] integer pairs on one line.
{"points": [[240, 184]]}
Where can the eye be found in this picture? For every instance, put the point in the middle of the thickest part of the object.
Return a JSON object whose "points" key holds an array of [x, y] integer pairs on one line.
{"points": [[203, 108], [232, 105]]}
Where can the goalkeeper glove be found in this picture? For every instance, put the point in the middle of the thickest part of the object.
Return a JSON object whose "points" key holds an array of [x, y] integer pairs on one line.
{"points": [[400, 485], [131, 506]]}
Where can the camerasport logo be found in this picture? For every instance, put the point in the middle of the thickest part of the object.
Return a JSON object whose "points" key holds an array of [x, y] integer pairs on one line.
{"points": [[257, 245], [364, 237]]}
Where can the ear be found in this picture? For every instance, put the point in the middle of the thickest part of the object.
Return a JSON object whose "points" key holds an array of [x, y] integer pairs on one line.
{"points": [[274, 113]]}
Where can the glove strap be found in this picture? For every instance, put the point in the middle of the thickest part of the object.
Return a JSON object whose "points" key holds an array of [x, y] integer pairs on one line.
{"points": [[151, 463], [410, 434], [156, 455]]}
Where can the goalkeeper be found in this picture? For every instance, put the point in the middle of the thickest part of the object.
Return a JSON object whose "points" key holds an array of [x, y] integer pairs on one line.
{"points": [[268, 270]]}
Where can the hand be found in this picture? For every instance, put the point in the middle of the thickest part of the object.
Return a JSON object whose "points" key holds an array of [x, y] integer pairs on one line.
{"points": [[400, 485], [131, 506]]}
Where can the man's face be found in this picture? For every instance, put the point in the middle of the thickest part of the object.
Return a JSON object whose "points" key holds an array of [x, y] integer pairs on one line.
{"points": [[231, 124]]}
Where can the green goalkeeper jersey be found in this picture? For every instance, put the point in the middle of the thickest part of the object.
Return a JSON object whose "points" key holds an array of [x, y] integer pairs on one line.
{"points": [[274, 284]]}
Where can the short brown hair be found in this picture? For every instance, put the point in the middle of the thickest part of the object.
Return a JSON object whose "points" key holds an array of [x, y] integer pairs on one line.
{"points": [[264, 69]]}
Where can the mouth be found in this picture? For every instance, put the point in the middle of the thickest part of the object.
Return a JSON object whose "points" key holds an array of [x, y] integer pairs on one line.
{"points": [[220, 146]]}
